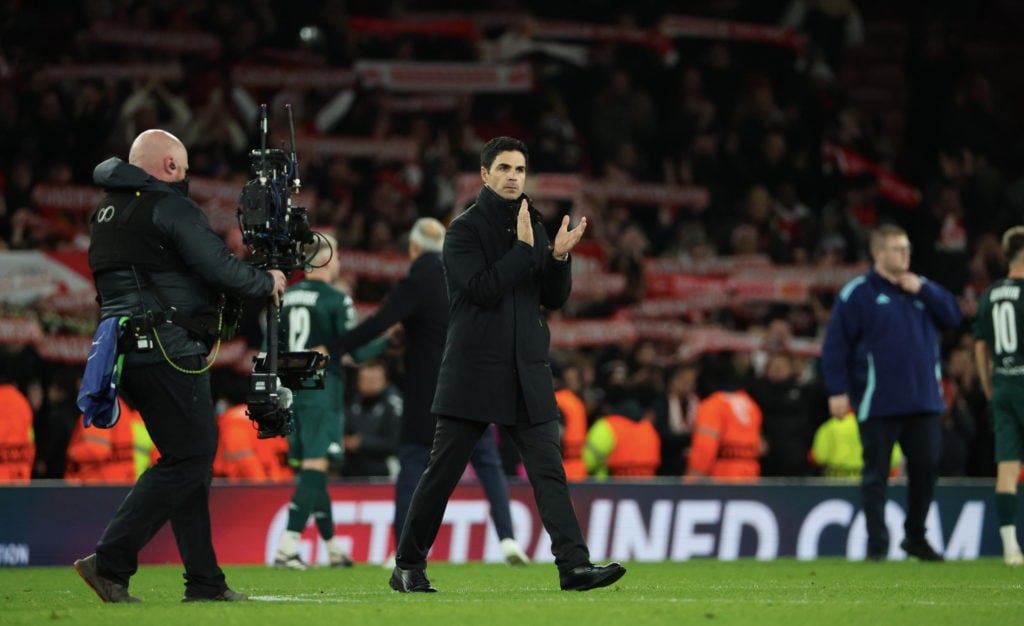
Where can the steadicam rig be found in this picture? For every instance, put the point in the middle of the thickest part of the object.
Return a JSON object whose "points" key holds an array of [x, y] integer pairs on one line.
{"points": [[280, 237]]}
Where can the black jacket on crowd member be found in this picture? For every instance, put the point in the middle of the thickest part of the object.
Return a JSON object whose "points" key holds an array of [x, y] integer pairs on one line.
{"points": [[420, 303], [788, 426], [375, 419], [190, 262], [498, 338]]}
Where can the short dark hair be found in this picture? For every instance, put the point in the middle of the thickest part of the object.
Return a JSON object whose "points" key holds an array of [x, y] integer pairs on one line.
{"points": [[1013, 243], [498, 145]]}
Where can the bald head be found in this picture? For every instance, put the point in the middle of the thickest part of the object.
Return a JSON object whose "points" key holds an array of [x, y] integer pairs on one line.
{"points": [[160, 154], [427, 235]]}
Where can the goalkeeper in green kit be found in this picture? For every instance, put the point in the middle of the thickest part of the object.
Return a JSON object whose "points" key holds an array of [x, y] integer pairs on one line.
{"points": [[314, 315]]}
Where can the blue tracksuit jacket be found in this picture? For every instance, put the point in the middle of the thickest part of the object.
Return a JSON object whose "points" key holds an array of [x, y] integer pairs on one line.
{"points": [[882, 346]]}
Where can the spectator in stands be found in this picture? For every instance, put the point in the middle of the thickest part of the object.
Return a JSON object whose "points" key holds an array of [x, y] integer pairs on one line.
{"points": [[675, 414], [879, 359], [153, 105], [55, 421], [1000, 358], [959, 383], [315, 316], [789, 420], [758, 217], [372, 424], [419, 301], [623, 444], [624, 115], [945, 255], [832, 25]]}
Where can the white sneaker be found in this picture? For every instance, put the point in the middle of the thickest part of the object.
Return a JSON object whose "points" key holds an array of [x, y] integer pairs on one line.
{"points": [[1013, 558], [289, 561], [514, 555]]}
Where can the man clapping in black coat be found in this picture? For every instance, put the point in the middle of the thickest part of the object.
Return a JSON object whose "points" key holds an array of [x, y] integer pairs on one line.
{"points": [[500, 270]]}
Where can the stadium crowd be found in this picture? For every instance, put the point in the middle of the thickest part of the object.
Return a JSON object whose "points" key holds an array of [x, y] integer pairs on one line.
{"points": [[773, 152]]}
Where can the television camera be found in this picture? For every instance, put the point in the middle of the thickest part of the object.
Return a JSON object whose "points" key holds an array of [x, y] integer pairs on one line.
{"points": [[279, 235]]}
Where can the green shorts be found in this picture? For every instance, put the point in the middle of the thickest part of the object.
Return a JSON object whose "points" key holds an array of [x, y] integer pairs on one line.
{"points": [[318, 416], [1008, 418]]}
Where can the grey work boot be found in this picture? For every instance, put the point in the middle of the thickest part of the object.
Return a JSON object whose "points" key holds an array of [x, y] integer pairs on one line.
{"points": [[106, 589]]}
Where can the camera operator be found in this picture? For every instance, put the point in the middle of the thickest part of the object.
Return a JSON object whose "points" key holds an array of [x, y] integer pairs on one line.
{"points": [[156, 260]]}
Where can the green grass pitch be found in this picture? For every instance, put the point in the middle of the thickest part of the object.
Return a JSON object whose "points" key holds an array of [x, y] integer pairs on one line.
{"points": [[828, 592]]}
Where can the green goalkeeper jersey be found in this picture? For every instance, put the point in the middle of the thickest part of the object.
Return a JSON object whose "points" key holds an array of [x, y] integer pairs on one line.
{"points": [[313, 313]]}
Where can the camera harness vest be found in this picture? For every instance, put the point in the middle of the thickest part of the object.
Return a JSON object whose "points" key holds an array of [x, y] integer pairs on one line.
{"points": [[124, 237]]}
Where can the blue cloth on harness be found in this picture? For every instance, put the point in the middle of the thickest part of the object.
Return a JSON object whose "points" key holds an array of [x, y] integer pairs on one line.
{"points": [[97, 398]]}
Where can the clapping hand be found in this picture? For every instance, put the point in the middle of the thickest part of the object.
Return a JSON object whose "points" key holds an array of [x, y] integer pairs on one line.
{"points": [[524, 226], [565, 239]]}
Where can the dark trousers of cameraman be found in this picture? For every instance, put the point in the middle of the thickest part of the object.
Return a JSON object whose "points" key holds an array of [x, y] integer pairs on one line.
{"points": [[178, 411]]}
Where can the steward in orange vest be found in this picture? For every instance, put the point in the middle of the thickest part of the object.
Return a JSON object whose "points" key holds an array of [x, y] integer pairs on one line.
{"points": [[241, 455], [17, 439], [624, 444], [107, 455], [574, 433], [726, 437]]}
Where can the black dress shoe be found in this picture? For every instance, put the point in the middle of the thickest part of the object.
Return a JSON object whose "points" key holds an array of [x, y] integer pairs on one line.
{"points": [[228, 595], [588, 576], [921, 550], [411, 581]]}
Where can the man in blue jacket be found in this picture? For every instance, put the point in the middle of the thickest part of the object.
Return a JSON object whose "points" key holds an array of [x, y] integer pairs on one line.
{"points": [[880, 360]]}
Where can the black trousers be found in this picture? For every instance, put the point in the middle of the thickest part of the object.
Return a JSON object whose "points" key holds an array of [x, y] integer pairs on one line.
{"points": [[454, 440], [920, 437], [487, 465], [178, 412]]}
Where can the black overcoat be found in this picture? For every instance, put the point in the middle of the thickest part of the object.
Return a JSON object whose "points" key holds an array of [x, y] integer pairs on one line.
{"points": [[419, 301], [498, 338]]}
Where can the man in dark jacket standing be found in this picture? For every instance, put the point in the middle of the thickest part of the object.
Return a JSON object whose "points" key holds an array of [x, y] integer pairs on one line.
{"points": [[420, 302], [880, 360], [153, 253], [500, 270]]}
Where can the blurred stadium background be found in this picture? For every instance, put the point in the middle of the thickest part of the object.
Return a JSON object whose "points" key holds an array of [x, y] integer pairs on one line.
{"points": [[730, 156]]}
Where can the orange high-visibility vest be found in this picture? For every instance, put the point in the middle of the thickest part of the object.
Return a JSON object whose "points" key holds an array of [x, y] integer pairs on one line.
{"points": [[726, 437], [243, 455], [236, 457], [104, 455], [17, 441], [575, 434], [637, 450], [273, 454]]}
